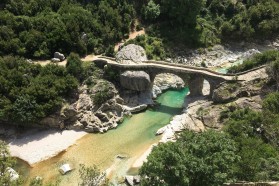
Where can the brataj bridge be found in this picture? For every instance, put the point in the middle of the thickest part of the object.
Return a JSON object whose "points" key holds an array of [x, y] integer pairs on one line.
{"points": [[192, 76]]}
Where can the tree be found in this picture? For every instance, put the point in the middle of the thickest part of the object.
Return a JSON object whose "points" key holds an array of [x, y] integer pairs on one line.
{"points": [[151, 11], [273, 71], [91, 176], [25, 109], [74, 66], [183, 12], [195, 159]]}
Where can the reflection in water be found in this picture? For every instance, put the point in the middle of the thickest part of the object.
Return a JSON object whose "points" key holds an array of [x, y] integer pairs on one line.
{"points": [[132, 138]]}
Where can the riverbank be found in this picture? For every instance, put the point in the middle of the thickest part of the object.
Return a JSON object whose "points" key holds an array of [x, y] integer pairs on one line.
{"points": [[35, 146]]}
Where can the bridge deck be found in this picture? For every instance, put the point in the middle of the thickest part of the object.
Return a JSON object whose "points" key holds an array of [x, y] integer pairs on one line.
{"points": [[243, 76]]}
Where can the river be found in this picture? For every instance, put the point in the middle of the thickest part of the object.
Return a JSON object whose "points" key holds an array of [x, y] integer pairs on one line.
{"points": [[130, 140]]}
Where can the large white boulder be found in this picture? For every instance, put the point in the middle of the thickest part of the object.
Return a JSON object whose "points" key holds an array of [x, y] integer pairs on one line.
{"points": [[131, 54]]}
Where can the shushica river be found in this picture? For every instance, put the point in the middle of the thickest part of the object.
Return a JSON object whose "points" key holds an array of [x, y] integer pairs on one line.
{"points": [[115, 151]]}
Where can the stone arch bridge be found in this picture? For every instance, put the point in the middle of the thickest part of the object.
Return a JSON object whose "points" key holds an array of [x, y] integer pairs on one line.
{"points": [[192, 76]]}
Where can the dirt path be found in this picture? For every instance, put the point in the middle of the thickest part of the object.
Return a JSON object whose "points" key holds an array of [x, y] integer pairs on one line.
{"points": [[132, 35], [90, 57]]}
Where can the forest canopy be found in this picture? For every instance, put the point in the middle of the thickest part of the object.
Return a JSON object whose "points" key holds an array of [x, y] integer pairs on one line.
{"points": [[38, 28], [207, 22]]}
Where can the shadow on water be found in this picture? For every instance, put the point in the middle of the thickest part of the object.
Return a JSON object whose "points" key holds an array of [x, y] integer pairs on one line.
{"points": [[167, 109]]}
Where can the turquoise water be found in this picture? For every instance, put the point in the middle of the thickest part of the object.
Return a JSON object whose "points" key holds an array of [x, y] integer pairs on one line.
{"points": [[131, 139], [224, 70]]}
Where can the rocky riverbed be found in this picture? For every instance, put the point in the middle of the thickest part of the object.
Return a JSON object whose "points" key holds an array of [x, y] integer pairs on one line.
{"points": [[220, 55]]}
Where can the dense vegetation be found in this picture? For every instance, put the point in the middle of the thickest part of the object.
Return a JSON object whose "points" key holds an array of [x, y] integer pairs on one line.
{"points": [[30, 92], [256, 135], [38, 28], [247, 149], [195, 159], [204, 23], [271, 56]]}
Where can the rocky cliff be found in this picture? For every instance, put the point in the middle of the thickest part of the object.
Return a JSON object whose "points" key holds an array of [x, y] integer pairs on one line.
{"points": [[201, 114]]}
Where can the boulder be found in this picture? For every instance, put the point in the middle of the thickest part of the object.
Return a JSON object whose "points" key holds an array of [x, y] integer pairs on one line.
{"points": [[65, 168], [135, 80], [130, 180], [131, 54], [137, 179], [12, 173], [59, 56], [134, 98], [55, 60]]}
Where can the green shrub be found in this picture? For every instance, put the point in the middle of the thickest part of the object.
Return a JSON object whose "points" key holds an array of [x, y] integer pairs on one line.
{"points": [[151, 11], [111, 74], [102, 94]]}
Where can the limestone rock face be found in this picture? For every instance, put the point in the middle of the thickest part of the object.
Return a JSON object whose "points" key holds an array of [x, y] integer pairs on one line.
{"points": [[98, 118], [135, 80], [59, 56], [134, 98], [131, 54]]}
